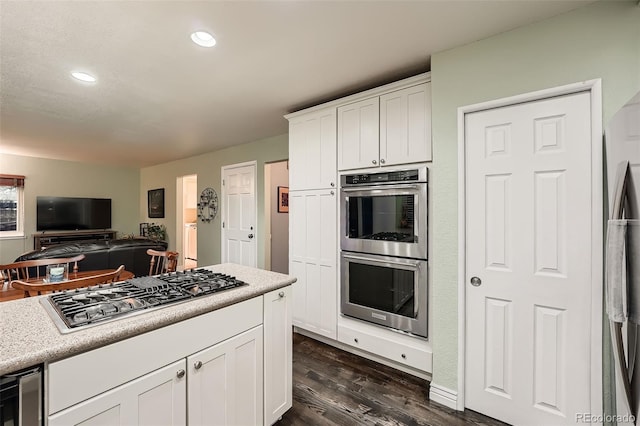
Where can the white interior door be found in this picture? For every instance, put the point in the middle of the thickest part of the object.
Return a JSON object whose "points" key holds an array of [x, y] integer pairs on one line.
{"points": [[528, 261], [239, 212]]}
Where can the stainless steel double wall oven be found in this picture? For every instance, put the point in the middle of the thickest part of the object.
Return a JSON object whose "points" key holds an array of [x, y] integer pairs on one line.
{"points": [[383, 242]]}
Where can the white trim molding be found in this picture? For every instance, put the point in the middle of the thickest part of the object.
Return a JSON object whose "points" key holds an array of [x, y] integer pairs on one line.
{"points": [[594, 88], [444, 396]]}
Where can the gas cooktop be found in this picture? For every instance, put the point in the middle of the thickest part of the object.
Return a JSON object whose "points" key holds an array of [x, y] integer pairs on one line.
{"points": [[75, 309]]}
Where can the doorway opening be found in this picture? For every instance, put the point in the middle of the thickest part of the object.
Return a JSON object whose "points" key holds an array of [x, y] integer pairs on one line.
{"points": [[187, 221], [276, 217]]}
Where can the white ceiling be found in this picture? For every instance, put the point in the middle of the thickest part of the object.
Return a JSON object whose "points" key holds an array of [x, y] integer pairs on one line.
{"points": [[159, 97]]}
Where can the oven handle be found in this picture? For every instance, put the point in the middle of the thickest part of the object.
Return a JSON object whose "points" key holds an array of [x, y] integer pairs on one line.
{"points": [[404, 262], [379, 187]]}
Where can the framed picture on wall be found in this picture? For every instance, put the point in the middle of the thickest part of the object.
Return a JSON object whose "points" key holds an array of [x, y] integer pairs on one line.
{"points": [[155, 202], [283, 199]]}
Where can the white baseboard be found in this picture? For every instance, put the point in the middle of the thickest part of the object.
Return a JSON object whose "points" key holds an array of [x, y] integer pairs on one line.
{"points": [[444, 396]]}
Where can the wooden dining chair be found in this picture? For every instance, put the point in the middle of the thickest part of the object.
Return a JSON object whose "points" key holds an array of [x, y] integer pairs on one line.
{"points": [[36, 269], [30, 288], [162, 261]]}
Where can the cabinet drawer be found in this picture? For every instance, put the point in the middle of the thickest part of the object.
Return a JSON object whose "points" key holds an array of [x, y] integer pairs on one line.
{"points": [[411, 356]]}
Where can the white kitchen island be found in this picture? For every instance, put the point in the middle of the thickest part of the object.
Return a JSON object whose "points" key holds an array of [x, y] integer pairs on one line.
{"points": [[219, 359]]}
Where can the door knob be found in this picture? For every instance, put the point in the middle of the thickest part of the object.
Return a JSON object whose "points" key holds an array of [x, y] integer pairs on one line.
{"points": [[197, 365], [475, 281], [374, 162], [250, 236], [180, 374], [382, 161]]}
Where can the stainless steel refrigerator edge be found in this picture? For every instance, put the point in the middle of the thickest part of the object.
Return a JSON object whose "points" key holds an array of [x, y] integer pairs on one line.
{"points": [[622, 145]]}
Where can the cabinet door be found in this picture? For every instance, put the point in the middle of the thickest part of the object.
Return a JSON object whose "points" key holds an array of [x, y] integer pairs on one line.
{"points": [[312, 150], [405, 126], [312, 252], [158, 398], [358, 135], [226, 382], [277, 354]]}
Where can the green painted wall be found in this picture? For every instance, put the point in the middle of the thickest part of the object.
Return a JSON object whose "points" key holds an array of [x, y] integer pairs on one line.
{"points": [[601, 40], [71, 179], [208, 168]]}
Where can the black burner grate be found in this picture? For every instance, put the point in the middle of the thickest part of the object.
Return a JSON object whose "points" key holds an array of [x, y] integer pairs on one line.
{"points": [[109, 301]]}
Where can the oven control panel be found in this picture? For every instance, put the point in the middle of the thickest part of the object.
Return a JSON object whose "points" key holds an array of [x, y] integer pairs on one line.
{"points": [[413, 175]]}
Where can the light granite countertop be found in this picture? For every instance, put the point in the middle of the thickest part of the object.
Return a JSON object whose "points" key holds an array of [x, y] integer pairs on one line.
{"points": [[28, 336]]}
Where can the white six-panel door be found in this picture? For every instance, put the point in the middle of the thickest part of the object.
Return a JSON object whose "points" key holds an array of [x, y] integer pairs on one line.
{"points": [[528, 253], [239, 214]]}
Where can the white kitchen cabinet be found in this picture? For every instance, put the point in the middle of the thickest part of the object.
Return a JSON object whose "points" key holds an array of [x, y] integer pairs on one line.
{"points": [[358, 135], [225, 382], [220, 354], [312, 150], [313, 252], [387, 130], [278, 345], [157, 398], [405, 126]]}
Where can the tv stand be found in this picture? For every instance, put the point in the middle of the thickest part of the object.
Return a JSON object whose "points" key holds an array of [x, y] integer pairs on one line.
{"points": [[48, 239]]}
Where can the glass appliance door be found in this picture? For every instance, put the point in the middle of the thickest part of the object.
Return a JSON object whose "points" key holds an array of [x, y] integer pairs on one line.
{"points": [[386, 291], [388, 220]]}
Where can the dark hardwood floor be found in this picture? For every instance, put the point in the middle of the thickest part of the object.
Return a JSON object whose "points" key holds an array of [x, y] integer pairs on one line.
{"points": [[334, 387]]}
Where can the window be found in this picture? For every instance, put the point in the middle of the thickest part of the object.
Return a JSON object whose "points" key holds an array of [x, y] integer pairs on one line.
{"points": [[11, 206]]}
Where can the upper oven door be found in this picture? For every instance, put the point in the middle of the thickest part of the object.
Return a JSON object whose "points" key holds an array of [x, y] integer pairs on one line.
{"points": [[386, 219]]}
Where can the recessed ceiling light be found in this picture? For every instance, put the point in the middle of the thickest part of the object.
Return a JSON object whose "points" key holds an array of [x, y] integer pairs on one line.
{"points": [[83, 76], [203, 38]]}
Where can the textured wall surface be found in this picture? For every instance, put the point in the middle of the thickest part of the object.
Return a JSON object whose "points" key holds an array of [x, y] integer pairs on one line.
{"points": [[44, 177], [601, 40], [208, 168]]}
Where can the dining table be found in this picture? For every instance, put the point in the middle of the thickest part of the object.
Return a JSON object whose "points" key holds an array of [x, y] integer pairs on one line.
{"points": [[40, 285]]}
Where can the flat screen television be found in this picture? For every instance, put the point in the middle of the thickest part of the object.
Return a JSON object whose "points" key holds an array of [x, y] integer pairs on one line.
{"points": [[70, 214]]}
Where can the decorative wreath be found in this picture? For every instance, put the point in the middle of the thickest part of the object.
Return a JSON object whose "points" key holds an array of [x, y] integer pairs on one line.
{"points": [[208, 205]]}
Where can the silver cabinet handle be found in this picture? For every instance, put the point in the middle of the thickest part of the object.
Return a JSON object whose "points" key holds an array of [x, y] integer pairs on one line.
{"points": [[332, 184], [197, 365], [250, 236], [180, 374], [355, 340], [331, 192], [403, 356], [374, 161], [281, 294], [382, 161], [476, 282], [402, 186]]}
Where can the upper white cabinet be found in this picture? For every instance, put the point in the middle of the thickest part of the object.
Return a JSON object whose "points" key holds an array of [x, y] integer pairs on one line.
{"points": [[358, 136], [405, 126], [387, 130], [312, 150]]}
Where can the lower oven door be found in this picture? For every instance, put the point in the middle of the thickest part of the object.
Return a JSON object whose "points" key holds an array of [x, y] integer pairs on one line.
{"points": [[385, 290]]}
